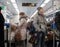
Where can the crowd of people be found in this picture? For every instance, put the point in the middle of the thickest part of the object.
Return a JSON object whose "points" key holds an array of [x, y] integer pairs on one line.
{"points": [[41, 32]]}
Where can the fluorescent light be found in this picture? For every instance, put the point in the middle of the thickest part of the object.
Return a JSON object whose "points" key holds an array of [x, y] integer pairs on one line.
{"points": [[46, 1], [17, 10], [15, 5], [34, 13], [43, 5], [8, 3], [13, 1]]}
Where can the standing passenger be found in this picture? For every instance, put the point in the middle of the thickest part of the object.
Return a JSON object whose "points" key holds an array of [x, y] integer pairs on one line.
{"points": [[57, 22], [22, 28], [31, 29], [1, 29], [40, 26]]}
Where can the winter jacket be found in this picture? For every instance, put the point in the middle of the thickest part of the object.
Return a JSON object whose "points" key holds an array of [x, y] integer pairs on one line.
{"points": [[39, 22], [23, 26]]}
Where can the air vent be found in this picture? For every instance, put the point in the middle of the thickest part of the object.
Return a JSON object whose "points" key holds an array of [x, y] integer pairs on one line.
{"points": [[29, 4]]}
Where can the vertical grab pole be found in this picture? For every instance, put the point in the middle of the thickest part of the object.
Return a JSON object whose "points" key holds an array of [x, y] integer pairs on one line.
{"points": [[53, 26], [5, 36], [10, 35]]}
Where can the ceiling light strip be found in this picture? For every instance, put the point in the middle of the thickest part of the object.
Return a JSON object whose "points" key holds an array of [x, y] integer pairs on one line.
{"points": [[46, 1], [34, 14], [13, 1], [15, 5]]}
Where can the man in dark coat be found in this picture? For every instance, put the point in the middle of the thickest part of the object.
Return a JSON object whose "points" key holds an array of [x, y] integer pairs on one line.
{"points": [[57, 22], [1, 29]]}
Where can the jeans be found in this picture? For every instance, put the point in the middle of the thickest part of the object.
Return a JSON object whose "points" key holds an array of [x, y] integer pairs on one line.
{"points": [[40, 39]]}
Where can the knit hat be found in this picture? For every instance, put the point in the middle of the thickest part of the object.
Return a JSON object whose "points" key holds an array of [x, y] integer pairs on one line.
{"points": [[0, 8]]}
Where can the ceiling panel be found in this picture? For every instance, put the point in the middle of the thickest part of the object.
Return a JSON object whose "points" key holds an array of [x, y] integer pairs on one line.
{"points": [[28, 10], [48, 5], [28, 1], [9, 6]]}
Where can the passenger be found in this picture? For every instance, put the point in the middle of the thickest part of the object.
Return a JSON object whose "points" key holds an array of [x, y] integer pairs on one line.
{"points": [[49, 40], [13, 31], [31, 28], [22, 29], [40, 26], [23, 15], [1, 29], [53, 26], [57, 22]]}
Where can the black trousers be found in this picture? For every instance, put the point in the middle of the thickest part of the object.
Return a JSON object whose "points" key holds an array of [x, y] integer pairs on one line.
{"points": [[1, 38]]}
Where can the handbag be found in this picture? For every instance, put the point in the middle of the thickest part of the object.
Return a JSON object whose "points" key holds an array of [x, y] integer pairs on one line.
{"points": [[33, 39]]}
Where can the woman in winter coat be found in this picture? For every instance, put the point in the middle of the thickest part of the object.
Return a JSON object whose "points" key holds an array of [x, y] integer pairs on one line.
{"points": [[22, 28]]}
